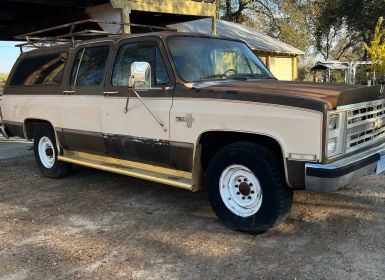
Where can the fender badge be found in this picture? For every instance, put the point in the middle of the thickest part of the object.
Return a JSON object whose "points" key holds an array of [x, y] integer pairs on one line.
{"points": [[187, 119]]}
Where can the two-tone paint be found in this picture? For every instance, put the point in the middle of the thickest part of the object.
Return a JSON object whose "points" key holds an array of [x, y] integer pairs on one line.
{"points": [[93, 120]]}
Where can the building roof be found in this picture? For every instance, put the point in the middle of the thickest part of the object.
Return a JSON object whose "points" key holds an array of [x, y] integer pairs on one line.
{"points": [[332, 65], [255, 39], [337, 65], [19, 17], [24, 16]]}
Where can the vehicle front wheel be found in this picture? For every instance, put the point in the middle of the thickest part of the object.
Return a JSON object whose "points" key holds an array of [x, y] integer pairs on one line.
{"points": [[247, 187], [46, 153]]}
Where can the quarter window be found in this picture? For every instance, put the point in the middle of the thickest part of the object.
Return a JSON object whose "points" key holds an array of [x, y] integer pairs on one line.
{"points": [[89, 66], [143, 52], [44, 70]]}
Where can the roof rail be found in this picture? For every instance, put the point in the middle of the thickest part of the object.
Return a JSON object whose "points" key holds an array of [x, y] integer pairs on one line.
{"points": [[34, 41]]}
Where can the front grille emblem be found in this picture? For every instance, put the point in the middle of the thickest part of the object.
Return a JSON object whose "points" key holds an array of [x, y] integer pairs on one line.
{"points": [[378, 124]]}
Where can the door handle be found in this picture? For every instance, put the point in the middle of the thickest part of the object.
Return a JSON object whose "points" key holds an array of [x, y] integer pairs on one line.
{"points": [[68, 92], [109, 93]]}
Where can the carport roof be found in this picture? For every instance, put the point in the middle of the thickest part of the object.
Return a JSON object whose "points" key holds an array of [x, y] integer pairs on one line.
{"points": [[332, 65], [255, 39], [23, 16]]}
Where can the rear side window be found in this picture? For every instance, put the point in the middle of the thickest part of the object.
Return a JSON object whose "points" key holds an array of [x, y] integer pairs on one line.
{"points": [[89, 66], [40, 70]]}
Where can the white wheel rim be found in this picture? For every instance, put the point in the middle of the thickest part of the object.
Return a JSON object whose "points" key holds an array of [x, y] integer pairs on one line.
{"points": [[240, 190], [46, 152]]}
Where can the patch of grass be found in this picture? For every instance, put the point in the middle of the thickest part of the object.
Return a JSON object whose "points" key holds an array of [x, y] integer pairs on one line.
{"points": [[3, 77]]}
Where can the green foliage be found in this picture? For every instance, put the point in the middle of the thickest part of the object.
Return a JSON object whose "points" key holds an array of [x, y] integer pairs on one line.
{"points": [[3, 77], [376, 49], [337, 77], [336, 29], [342, 26], [304, 73]]}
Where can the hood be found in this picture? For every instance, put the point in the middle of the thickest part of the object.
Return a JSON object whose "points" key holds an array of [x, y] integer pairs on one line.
{"points": [[298, 94]]}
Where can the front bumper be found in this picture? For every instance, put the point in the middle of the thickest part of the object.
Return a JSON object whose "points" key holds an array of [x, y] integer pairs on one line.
{"points": [[333, 176], [2, 126], [3, 132]]}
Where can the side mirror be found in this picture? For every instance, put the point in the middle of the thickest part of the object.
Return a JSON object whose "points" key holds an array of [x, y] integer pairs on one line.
{"points": [[140, 75]]}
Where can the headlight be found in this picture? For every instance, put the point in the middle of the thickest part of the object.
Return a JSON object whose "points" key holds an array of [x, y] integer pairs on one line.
{"points": [[335, 135]]}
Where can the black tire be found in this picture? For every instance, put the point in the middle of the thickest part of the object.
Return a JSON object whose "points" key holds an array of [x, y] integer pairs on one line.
{"points": [[277, 197], [59, 169]]}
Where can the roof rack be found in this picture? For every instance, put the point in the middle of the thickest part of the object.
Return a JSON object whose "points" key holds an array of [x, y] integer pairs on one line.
{"points": [[34, 41]]}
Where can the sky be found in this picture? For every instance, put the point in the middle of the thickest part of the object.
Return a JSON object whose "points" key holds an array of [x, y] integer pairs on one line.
{"points": [[8, 55]]}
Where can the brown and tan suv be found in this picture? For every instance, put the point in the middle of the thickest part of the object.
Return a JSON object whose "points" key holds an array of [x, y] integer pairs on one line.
{"points": [[190, 111]]}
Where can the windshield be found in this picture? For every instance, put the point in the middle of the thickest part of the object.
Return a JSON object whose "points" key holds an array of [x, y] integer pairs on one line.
{"points": [[199, 59]]}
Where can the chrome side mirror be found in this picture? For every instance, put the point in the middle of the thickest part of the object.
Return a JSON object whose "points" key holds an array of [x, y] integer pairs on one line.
{"points": [[140, 76]]}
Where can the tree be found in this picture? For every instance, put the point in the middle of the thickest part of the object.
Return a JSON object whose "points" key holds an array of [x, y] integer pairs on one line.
{"points": [[331, 35], [376, 49], [336, 29], [342, 26], [282, 19]]}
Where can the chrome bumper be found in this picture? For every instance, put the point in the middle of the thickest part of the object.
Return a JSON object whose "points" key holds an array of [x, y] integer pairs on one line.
{"points": [[3, 132], [2, 126], [333, 176]]}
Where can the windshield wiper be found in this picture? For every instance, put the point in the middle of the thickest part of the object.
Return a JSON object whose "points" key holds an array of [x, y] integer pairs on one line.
{"points": [[216, 76], [237, 77], [249, 76]]}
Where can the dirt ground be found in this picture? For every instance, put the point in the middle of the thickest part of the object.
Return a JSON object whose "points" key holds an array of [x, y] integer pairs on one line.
{"points": [[97, 225]]}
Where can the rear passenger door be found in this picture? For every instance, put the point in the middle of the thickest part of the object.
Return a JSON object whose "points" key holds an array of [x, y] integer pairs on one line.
{"points": [[134, 134], [83, 99]]}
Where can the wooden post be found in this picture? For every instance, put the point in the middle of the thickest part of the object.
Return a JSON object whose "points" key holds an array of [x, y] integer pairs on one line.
{"points": [[268, 62], [295, 68], [126, 19], [213, 26], [374, 77], [346, 76]]}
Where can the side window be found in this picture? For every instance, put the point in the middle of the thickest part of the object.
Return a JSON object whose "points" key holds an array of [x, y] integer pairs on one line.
{"points": [[89, 66], [144, 52], [46, 70]]}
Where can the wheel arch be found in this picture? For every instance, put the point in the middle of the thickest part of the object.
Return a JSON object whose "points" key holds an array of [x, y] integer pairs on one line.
{"points": [[211, 141], [30, 125]]}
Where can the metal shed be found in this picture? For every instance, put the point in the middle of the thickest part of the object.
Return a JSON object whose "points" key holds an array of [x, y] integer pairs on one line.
{"points": [[279, 57], [349, 70]]}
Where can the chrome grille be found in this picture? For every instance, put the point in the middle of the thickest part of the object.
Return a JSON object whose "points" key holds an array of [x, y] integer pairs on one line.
{"points": [[365, 124]]}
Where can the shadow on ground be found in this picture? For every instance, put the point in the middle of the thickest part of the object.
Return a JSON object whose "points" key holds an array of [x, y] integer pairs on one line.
{"points": [[97, 225]]}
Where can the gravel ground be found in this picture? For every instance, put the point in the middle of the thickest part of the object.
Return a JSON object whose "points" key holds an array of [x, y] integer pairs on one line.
{"points": [[97, 225]]}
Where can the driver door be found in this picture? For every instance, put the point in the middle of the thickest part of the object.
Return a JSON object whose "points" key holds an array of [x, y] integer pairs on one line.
{"points": [[130, 130]]}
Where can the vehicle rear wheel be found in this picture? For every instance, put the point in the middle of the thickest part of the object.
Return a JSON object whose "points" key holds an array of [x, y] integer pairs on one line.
{"points": [[247, 187], [46, 153]]}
